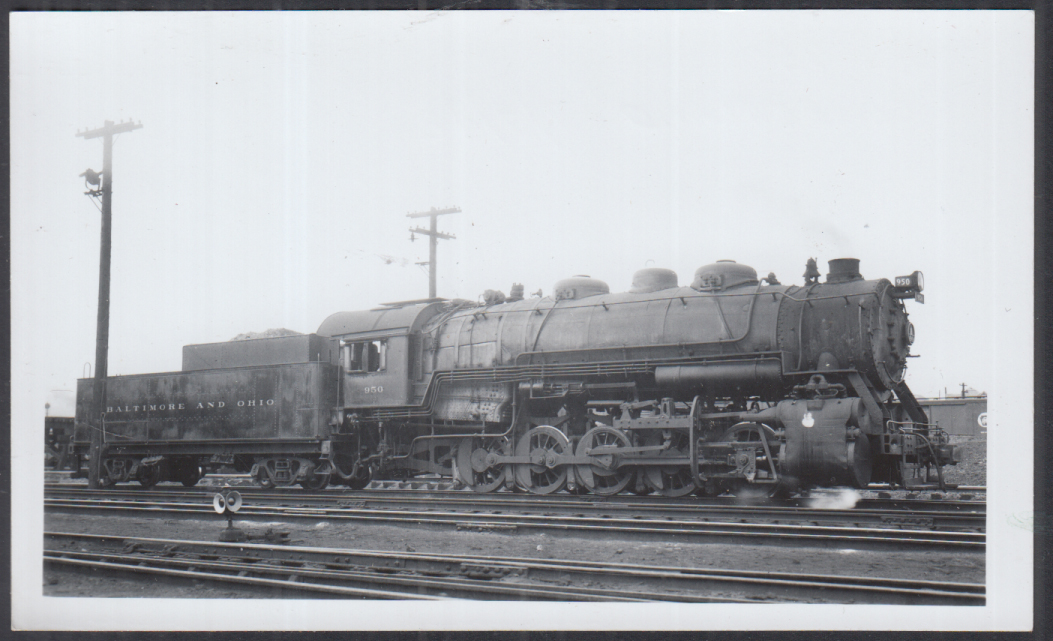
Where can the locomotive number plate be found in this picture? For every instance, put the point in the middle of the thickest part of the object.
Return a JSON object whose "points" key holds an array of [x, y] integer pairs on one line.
{"points": [[373, 389]]}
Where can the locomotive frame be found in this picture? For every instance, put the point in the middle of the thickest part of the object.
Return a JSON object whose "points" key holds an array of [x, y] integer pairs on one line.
{"points": [[734, 383]]}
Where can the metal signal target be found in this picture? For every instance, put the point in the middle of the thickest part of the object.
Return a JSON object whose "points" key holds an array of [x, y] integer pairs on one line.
{"points": [[230, 502]]}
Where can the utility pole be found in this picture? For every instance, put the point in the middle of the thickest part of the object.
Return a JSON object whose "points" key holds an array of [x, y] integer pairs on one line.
{"points": [[102, 335], [435, 235]]}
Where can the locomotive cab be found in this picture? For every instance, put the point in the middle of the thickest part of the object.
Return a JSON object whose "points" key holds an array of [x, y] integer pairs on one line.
{"points": [[375, 370], [375, 349]]}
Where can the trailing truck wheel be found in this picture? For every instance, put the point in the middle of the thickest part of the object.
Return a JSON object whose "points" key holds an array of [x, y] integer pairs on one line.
{"points": [[360, 480], [472, 469], [315, 482]]}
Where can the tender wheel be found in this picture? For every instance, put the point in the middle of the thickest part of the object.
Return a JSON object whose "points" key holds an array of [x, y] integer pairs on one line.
{"points": [[264, 480], [541, 475], [315, 482], [243, 464], [107, 476], [602, 477], [670, 480], [472, 467], [184, 470], [149, 475], [191, 475]]}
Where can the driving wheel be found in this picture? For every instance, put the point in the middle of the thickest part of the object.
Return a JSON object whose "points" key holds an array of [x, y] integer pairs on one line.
{"points": [[542, 475], [670, 480], [603, 477]]}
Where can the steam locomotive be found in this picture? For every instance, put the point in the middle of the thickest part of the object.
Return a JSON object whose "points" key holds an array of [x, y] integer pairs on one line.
{"points": [[733, 383]]}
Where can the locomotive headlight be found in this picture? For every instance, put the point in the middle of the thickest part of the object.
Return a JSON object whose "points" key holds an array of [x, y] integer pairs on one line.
{"points": [[910, 287], [914, 282]]}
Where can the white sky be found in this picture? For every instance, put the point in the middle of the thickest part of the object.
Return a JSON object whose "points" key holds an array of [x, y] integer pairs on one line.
{"points": [[281, 152]]}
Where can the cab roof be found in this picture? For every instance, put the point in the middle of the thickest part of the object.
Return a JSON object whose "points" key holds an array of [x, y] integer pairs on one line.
{"points": [[384, 321]]}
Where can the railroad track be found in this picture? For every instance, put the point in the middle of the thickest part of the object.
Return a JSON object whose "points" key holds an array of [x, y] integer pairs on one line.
{"points": [[368, 574], [624, 525], [966, 516], [63, 477], [514, 498]]}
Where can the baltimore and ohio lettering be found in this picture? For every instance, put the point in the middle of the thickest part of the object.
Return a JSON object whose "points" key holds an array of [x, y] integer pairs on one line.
{"points": [[172, 407]]}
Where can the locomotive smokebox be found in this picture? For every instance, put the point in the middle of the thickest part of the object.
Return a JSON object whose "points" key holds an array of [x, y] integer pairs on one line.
{"points": [[843, 270]]}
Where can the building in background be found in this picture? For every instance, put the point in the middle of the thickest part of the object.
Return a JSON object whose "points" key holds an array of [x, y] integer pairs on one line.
{"points": [[964, 415]]}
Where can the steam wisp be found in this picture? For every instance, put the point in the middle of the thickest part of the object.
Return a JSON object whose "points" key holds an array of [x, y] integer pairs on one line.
{"points": [[840, 498]]}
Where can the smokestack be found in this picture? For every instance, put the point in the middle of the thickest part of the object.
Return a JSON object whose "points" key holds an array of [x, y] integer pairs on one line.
{"points": [[843, 270]]}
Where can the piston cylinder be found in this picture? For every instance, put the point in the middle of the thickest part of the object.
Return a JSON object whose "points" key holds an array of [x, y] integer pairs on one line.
{"points": [[822, 448]]}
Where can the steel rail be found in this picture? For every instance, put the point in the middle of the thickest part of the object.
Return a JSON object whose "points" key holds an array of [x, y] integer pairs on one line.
{"points": [[513, 498], [966, 518], [711, 531], [446, 483], [474, 576], [299, 579], [139, 567]]}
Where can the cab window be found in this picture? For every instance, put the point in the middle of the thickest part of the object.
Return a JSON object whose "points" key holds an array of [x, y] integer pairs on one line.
{"points": [[364, 356]]}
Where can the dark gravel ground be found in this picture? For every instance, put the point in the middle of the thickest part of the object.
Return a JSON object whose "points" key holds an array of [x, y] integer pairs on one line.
{"points": [[667, 551], [972, 470]]}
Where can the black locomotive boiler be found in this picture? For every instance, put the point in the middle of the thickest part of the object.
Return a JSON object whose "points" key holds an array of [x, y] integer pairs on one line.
{"points": [[732, 382]]}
